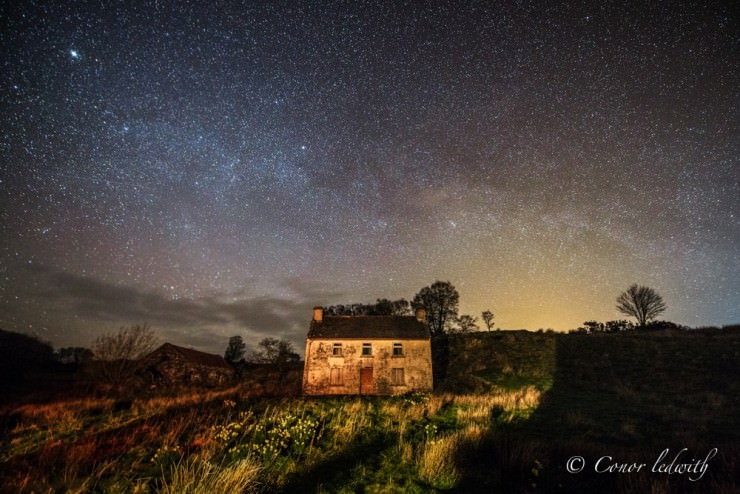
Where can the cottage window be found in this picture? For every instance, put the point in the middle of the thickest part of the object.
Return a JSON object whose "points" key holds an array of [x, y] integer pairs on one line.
{"points": [[398, 350], [367, 349], [337, 350], [335, 376], [397, 377]]}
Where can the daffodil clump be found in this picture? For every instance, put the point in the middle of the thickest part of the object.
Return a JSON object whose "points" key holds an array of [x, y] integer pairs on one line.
{"points": [[430, 432], [234, 435], [416, 398], [284, 435], [267, 438]]}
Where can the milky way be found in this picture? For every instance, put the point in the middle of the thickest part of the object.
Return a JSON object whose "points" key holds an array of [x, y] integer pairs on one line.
{"points": [[220, 169]]}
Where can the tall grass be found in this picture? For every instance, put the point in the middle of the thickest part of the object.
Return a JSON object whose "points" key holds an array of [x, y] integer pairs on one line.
{"points": [[199, 476], [437, 459], [347, 421]]}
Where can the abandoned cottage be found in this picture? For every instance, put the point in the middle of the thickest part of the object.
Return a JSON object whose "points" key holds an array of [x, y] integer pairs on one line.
{"points": [[368, 355], [171, 365]]}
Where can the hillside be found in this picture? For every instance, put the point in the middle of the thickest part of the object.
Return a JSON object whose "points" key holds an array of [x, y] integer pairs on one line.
{"points": [[26, 363], [510, 410], [632, 394]]}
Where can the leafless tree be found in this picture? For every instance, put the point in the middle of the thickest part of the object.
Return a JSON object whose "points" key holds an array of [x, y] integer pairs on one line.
{"points": [[467, 324], [279, 354], [488, 319], [641, 302], [118, 352], [274, 351]]}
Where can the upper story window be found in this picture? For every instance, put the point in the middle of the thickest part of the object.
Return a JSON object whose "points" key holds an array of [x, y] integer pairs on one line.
{"points": [[398, 349], [367, 349], [336, 350]]}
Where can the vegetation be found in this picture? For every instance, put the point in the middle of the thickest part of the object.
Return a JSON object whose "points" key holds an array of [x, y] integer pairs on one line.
{"points": [[117, 352], [511, 409], [466, 324], [23, 361], [441, 301], [381, 307], [275, 352], [235, 350], [74, 355], [487, 316], [641, 302], [626, 395], [203, 442]]}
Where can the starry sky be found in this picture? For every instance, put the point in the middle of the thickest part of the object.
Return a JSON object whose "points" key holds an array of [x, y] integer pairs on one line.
{"points": [[219, 168]]}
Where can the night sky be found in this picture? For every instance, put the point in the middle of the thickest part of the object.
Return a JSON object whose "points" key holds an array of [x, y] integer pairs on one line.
{"points": [[214, 169]]}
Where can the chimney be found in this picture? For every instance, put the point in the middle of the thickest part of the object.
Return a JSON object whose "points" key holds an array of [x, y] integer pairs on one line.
{"points": [[421, 314], [318, 314]]}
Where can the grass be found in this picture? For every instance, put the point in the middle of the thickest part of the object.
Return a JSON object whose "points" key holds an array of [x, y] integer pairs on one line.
{"points": [[203, 443], [513, 408], [199, 476], [508, 360], [624, 395]]}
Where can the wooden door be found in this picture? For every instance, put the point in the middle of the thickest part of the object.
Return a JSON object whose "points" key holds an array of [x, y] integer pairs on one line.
{"points": [[366, 381]]}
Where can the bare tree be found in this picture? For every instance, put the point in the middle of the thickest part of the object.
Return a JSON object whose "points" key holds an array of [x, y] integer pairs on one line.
{"points": [[274, 351], [487, 316], [117, 352], [441, 302], [467, 324], [641, 302], [279, 354]]}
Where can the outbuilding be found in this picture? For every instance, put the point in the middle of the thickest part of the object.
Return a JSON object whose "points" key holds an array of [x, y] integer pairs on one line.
{"points": [[171, 365]]}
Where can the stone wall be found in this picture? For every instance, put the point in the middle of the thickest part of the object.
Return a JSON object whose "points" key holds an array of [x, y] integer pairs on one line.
{"points": [[167, 367], [330, 371]]}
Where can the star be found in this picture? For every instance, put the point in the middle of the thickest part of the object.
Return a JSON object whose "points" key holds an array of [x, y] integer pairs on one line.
{"points": [[514, 156]]}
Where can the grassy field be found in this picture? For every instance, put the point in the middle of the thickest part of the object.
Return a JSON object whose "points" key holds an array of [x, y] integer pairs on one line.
{"points": [[628, 396], [511, 409]]}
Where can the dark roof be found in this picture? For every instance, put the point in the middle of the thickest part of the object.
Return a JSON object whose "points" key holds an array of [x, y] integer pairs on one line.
{"points": [[359, 327], [192, 356]]}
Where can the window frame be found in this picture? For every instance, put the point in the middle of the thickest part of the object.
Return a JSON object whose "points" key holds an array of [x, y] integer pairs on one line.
{"points": [[397, 372], [398, 350], [336, 350], [367, 350]]}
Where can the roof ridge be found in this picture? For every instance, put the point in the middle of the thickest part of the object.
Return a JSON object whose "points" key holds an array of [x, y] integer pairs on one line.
{"points": [[366, 326], [197, 356]]}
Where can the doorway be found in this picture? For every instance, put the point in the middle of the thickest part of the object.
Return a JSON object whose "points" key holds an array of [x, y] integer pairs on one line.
{"points": [[366, 381]]}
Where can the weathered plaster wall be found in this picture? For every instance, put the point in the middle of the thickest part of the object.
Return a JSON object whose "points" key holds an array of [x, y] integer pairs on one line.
{"points": [[318, 378]]}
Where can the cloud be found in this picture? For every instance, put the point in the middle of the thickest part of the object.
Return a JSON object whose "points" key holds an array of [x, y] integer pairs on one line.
{"points": [[78, 308]]}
